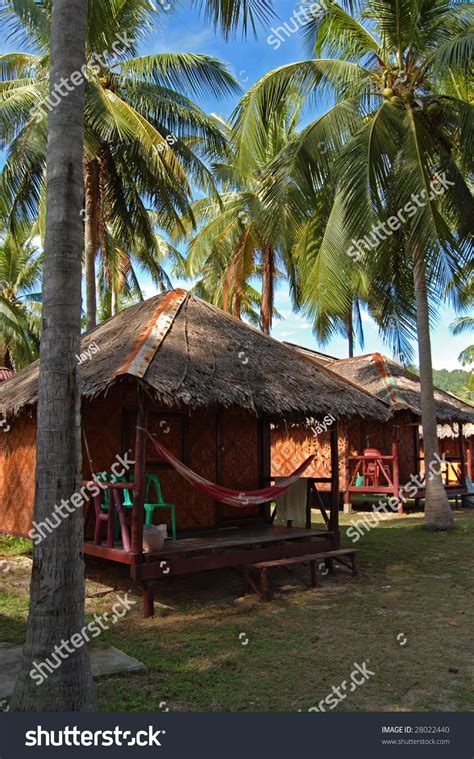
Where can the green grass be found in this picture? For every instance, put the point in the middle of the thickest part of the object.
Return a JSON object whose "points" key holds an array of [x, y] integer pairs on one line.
{"points": [[413, 584]]}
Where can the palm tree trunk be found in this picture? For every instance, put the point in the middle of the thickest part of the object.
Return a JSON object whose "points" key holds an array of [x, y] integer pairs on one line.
{"points": [[57, 583], [114, 299], [350, 333], [438, 514], [266, 308], [233, 279], [91, 236]]}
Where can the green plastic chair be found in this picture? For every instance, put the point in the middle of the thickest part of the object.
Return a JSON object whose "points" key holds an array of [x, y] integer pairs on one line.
{"points": [[150, 506], [152, 480]]}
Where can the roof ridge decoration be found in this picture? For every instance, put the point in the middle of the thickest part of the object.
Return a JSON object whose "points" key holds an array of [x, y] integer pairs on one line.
{"points": [[142, 352], [389, 381]]}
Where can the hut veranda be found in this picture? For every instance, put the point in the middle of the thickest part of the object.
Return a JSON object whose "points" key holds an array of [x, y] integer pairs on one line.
{"points": [[378, 458], [210, 389]]}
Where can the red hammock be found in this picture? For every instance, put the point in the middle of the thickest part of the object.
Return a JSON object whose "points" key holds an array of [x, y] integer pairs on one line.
{"points": [[227, 495]]}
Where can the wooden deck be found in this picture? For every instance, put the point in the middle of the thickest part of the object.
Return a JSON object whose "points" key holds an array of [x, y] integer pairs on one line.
{"points": [[213, 549], [232, 548], [231, 537]]}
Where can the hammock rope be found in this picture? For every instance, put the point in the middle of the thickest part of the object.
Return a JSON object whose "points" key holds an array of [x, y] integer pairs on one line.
{"points": [[240, 499]]}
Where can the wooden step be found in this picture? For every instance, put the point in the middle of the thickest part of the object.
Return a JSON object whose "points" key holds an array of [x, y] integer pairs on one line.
{"points": [[303, 559]]}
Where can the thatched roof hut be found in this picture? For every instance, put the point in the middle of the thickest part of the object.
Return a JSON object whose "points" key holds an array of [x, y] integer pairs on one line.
{"points": [[206, 386], [393, 383], [189, 352]]}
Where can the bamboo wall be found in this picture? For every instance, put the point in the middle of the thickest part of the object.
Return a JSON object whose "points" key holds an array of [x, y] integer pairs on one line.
{"points": [[108, 425], [290, 446], [17, 475]]}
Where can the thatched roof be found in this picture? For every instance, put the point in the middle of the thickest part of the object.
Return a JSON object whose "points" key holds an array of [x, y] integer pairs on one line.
{"points": [[452, 431], [321, 358], [389, 381], [191, 353]]}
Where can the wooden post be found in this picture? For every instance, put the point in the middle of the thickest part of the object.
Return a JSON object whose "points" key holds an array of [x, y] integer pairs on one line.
{"points": [[462, 456], [219, 462], [139, 499], [469, 460], [334, 518], [396, 470], [148, 600], [416, 450], [265, 463], [309, 502]]}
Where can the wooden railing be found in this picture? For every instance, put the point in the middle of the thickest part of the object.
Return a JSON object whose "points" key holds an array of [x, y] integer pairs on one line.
{"points": [[379, 474]]}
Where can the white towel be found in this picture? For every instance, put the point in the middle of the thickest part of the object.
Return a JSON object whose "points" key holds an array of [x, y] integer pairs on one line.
{"points": [[292, 503]]}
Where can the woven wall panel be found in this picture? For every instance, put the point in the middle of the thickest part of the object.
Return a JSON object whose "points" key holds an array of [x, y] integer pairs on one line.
{"points": [[240, 463], [291, 445], [17, 475]]}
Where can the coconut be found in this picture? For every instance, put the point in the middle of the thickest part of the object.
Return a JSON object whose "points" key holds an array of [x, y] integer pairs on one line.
{"points": [[434, 109], [387, 93], [395, 100]]}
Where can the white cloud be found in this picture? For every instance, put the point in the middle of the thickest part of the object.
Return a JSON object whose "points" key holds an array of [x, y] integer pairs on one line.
{"points": [[186, 42], [305, 325]]}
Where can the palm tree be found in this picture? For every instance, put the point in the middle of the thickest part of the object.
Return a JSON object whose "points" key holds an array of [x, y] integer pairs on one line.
{"points": [[234, 246], [462, 289], [57, 583], [145, 140], [393, 127], [118, 283], [20, 301]]}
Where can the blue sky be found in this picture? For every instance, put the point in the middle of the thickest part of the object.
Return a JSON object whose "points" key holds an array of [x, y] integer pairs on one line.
{"points": [[183, 30]]}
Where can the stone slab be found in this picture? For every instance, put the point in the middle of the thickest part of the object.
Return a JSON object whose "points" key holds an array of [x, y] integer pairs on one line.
{"points": [[105, 660]]}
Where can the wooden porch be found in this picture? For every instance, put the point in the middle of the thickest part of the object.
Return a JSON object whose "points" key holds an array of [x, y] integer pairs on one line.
{"points": [[377, 473], [214, 549], [238, 543]]}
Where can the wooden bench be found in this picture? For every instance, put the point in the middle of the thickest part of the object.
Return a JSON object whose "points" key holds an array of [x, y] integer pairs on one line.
{"points": [[313, 559]]}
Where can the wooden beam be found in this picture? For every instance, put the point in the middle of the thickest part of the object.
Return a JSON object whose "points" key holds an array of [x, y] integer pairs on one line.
{"points": [[156, 569], [219, 461], [462, 454], [264, 461], [139, 499], [396, 470], [469, 460], [148, 600], [416, 450], [334, 518], [309, 502], [186, 431], [110, 554]]}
